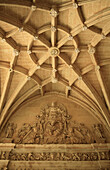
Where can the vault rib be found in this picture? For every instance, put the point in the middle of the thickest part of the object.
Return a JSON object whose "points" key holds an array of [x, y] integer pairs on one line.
{"points": [[91, 88], [85, 70], [44, 29], [104, 62], [44, 41], [14, 95], [62, 41], [84, 2], [106, 28], [74, 4], [22, 98], [43, 7], [15, 30], [6, 89], [26, 4], [11, 99], [104, 14], [54, 66], [64, 82], [64, 58], [63, 29], [98, 37], [32, 90], [100, 76], [53, 39], [4, 64], [12, 32], [53, 14], [37, 66], [98, 17], [10, 73], [65, 6], [32, 9]]}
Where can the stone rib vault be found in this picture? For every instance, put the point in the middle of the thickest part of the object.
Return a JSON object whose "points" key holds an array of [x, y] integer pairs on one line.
{"points": [[54, 84]]}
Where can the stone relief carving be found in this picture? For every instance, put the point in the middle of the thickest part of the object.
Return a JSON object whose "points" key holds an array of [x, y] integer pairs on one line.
{"points": [[104, 155], [99, 133], [4, 155], [10, 130], [54, 126], [55, 156]]}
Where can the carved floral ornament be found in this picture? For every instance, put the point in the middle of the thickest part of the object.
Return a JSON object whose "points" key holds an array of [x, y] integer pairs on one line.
{"points": [[54, 156], [54, 126]]}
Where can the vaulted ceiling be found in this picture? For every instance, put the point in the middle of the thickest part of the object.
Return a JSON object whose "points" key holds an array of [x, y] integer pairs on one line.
{"points": [[55, 46]]}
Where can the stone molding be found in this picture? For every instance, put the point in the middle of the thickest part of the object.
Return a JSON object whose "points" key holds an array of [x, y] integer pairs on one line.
{"points": [[25, 154]]}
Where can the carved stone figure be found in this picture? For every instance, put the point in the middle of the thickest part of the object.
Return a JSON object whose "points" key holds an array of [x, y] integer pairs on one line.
{"points": [[58, 156], [99, 133], [10, 130], [23, 157], [38, 156], [30, 157], [104, 155], [76, 157], [24, 130]]}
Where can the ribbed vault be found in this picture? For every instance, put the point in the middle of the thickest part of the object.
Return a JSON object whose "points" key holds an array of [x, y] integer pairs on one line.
{"points": [[55, 48]]}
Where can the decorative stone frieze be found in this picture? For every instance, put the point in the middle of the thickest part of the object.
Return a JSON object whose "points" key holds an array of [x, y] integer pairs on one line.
{"points": [[54, 156]]}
